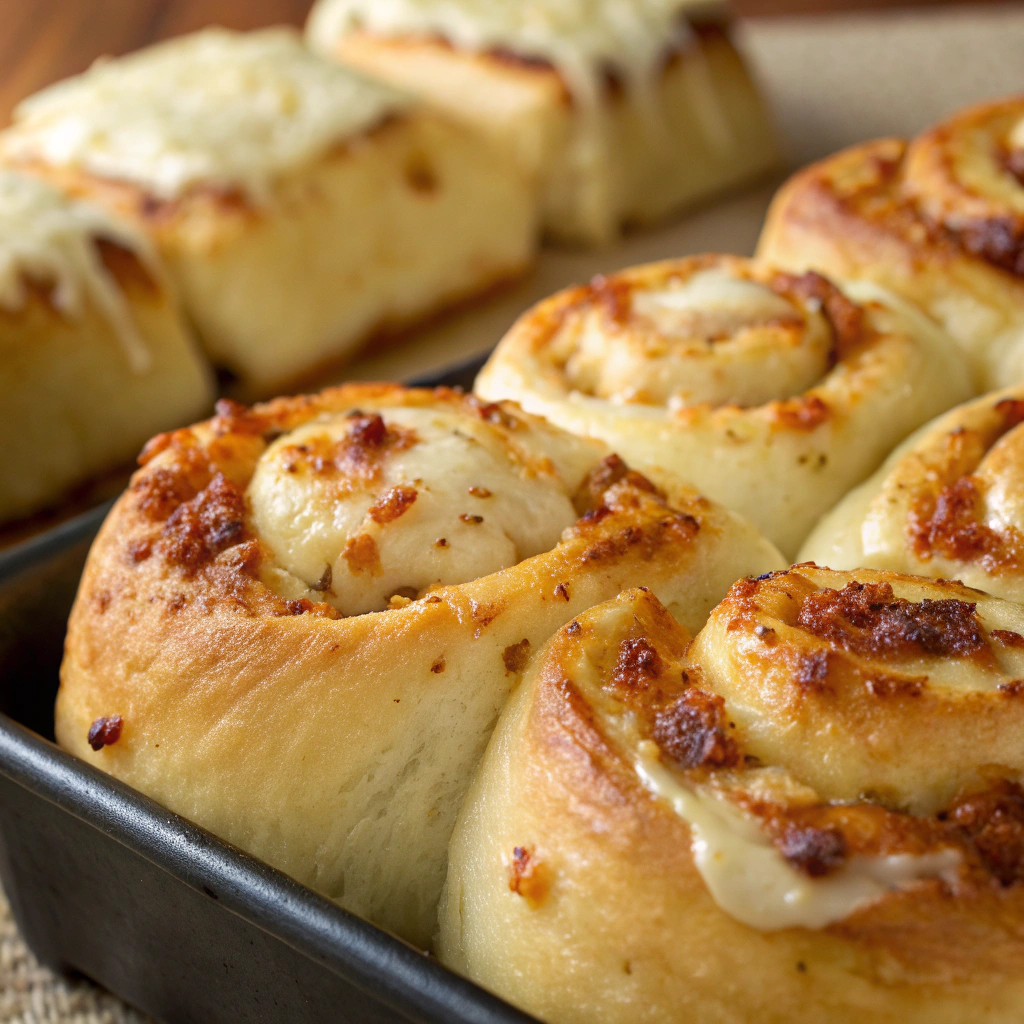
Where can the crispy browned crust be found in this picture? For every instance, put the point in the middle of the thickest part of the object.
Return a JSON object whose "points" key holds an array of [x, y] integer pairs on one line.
{"points": [[850, 206], [908, 216], [899, 204], [947, 502], [981, 223], [946, 516], [845, 662], [182, 524]]}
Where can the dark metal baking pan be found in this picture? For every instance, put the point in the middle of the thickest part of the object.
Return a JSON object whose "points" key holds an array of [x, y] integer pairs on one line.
{"points": [[106, 883]]}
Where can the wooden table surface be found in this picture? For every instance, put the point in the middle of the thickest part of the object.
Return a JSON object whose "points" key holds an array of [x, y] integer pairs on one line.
{"points": [[42, 41]]}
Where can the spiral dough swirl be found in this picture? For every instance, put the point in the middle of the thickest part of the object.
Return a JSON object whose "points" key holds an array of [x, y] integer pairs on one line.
{"points": [[939, 220], [771, 392], [814, 805]]}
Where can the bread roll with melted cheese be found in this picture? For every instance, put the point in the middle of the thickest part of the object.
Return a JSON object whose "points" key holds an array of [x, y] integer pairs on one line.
{"points": [[812, 813], [947, 503], [771, 392], [302, 620], [301, 208], [94, 355], [623, 112], [939, 220]]}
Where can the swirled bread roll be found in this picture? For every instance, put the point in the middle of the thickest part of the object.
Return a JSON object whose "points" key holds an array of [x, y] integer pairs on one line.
{"points": [[939, 220], [300, 208], [949, 502], [302, 620], [623, 112], [813, 812], [771, 392], [94, 354]]}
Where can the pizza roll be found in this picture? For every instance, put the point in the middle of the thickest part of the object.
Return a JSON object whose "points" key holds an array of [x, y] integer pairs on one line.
{"points": [[774, 393], [812, 812], [304, 618], [939, 220]]}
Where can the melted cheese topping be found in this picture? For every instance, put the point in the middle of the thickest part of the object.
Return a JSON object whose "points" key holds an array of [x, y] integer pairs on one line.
{"points": [[753, 883], [217, 108], [48, 239], [581, 38], [472, 500], [712, 338]]}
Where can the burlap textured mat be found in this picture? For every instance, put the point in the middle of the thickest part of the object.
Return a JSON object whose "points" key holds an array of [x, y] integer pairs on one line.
{"points": [[30, 994]]}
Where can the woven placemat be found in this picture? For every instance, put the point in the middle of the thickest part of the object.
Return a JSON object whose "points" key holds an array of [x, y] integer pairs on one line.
{"points": [[31, 994]]}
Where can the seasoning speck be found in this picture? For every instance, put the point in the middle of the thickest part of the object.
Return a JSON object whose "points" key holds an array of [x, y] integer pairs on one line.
{"points": [[105, 731]]}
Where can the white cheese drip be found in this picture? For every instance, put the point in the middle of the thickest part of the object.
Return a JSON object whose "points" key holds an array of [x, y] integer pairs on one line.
{"points": [[751, 881], [218, 108], [48, 238], [581, 38]]}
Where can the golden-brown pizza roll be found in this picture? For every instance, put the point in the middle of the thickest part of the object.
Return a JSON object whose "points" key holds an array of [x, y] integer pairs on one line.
{"points": [[624, 113], [303, 618], [949, 502], [94, 355], [940, 221], [771, 392], [812, 813], [301, 208]]}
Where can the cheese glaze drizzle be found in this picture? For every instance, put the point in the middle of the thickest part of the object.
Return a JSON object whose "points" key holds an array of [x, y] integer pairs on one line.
{"points": [[752, 882], [581, 38], [49, 239]]}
